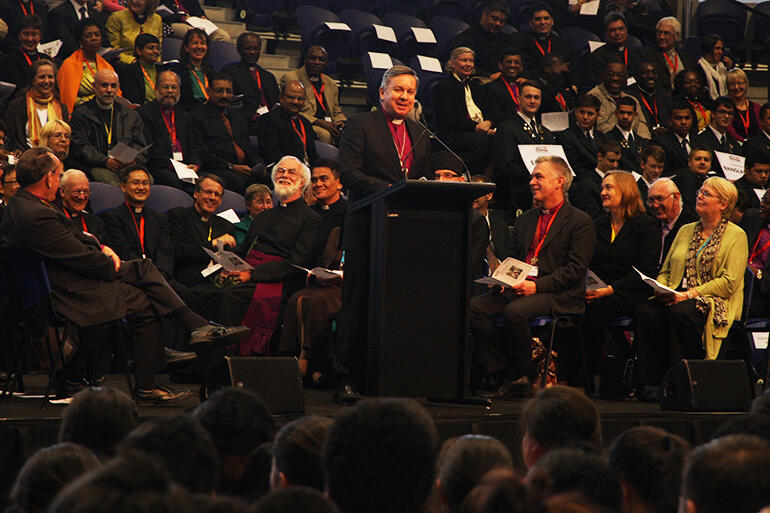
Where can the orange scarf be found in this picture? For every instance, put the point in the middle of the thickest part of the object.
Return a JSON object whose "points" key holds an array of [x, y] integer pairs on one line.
{"points": [[34, 100]]}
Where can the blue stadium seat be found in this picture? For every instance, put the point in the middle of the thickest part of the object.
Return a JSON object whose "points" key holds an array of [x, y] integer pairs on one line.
{"points": [[163, 198], [449, 8], [312, 26], [170, 48], [257, 13], [759, 34], [222, 53], [508, 29], [578, 39], [634, 42], [408, 46], [326, 151], [724, 18], [105, 196], [373, 79], [446, 30], [364, 38], [231, 199]]}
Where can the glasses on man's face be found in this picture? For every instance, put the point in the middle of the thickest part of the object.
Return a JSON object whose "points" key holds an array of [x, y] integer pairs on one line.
{"points": [[656, 200], [80, 192]]}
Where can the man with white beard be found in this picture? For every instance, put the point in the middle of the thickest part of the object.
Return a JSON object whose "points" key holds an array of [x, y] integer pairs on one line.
{"points": [[284, 235]]}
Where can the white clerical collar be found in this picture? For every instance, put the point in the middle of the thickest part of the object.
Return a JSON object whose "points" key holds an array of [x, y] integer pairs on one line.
{"points": [[138, 210], [523, 116], [397, 121]]}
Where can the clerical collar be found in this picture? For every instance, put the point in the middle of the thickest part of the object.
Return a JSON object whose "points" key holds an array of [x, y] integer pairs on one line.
{"points": [[546, 211], [138, 210], [391, 119]]}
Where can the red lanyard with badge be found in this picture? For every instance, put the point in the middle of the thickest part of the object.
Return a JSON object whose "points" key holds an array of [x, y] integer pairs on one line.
{"points": [[536, 253], [82, 219], [171, 128], [543, 52], [655, 104], [139, 227], [319, 96], [514, 94]]}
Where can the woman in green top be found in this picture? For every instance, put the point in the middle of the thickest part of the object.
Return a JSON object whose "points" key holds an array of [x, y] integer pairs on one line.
{"points": [[194, 68]]}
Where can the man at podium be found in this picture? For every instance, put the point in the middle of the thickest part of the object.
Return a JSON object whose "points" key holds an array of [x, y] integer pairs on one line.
{"points": [[377, 149], [558, 240]]}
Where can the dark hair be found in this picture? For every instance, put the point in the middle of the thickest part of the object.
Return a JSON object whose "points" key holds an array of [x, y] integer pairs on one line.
{"points": [[379, 457], [606, 146], [184, 57], [678, 104], [744, 201], [297, 450], [763, 109], [757, 157], [752, 424], [709, 42], [654, 151], [560, 416], [34, 164], [481, 179], [81, 27], [329, 163], [614, 16], [49, 470], [499, 491], [182, 445], [145, 39], [540, 6], [237, 420], [219, 504], [468, 459], [650, 460], [295, 499], [130, 169], [679, 82], [725, 101], [509, 50], [242, 38], [531, 83], [626, 100], [761, 404], [133, 483], [728, 474], [32, 21], [589, 100], [550, 59], [99, 418], [208, 176], [497, 6], [220, 76], [578, 470]]}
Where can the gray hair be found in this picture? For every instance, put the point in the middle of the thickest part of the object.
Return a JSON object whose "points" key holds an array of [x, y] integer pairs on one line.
{"points": [[670, 20], [304, 170], [456, 53], [562, 167], [671, 186], [70, 175], [396, 71]]}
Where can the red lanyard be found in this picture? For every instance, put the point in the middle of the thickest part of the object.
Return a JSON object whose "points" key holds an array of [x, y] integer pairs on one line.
{"points": [[170, 128], [745, 121], [82, 219], [543, 52], [149, 80], [655, 104], [139, 227], [676, 62], [514, 94], [754, 252], [31, 8], [697, 105], [560, 99], [624, 57], [89, 67], [319, 96], [302, 135], [26, 57], [256, 76], [181, 7], [201, 84], [533, 261]]}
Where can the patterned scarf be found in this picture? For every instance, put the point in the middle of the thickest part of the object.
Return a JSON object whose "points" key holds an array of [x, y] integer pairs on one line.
{"points": [[35, 101], [701, 271]]}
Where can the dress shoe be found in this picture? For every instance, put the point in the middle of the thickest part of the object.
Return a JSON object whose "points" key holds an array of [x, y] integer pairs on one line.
{"points": [[346, 395], [223, 335], [512, 389], [67, 388], [161, 395], [173, 356]]}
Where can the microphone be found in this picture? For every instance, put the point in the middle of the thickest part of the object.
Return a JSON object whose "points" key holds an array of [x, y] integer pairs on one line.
{"points": [[414, 145], [446, 147]]}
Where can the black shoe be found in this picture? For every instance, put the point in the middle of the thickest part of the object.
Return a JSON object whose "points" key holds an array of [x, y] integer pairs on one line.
{"points": [[173, 356], [97, 381], [67, 388], [346, 394], [512, 389], [161, 395], [224, 335]]}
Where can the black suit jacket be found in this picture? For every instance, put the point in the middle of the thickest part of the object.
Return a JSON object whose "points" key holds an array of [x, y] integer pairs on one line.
{"points": [[708, 139], [449, 105], [188, 237], [11, 14], [369, 163], [659, 103], [563, 259], [643, 189], [217, 146], [155, 131], [501, 105], [61, 25], [629, 153], [637, 244], [676, 157], [123, 238], [597, 61], [244, 83], [664, 70], [277, 138], [193, 8], [752, 224], [500, 233], [585, 194], [531, 55], [685, 217], [580, 152], [759, 142], [688, 184], [743, 185], [132, 82]]}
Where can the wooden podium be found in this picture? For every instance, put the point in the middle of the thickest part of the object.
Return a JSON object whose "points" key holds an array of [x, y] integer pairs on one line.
{"points": [[419, 279]]}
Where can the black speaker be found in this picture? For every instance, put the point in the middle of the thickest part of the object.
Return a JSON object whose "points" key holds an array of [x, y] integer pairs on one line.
{"points": [[706, 385], [275, 380]]}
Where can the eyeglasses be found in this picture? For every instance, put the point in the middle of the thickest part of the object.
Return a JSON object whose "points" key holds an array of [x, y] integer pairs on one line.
{"points": [[80, 192], [706, 194], [655, 200]]}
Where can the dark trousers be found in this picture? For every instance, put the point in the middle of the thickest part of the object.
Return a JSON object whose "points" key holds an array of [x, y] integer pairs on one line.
{"points": [[598, 315], [235, 180], [163, 175], [665, 335], [512, 355], [349, 355]]}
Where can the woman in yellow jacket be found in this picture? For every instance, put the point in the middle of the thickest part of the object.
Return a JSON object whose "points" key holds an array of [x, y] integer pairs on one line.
{"points": [[123, 26]]}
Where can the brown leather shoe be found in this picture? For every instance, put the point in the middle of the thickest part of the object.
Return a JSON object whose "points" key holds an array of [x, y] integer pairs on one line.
{"points": [[161, 395], [513, 389]]}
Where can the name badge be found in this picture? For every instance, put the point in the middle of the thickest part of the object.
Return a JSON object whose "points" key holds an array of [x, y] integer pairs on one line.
{"points": [[178, 156], [262, 110], [328, 118], [532, 273], [684, 283]]}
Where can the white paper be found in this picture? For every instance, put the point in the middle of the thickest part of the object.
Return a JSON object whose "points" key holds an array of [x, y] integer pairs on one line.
{"points": [[210, 269], [590, 8], [509, 273], [572, 2], [51, 49], [423, 35], [229, 261], [531, 152], [760, 339], [333, 25], [385, 33], [320, 272], [655, 284], [631, 81], [162, 11], [732, 165], [595, 45], [593, 282], [125, 153], [555, 121], [759, 192], [12, 160], [230, 215], [380, 60], [207, 25], [184, 173], [429, 64]]}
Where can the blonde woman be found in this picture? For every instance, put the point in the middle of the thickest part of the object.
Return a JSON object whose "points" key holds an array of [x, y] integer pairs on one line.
{"points": [[746, 119]]}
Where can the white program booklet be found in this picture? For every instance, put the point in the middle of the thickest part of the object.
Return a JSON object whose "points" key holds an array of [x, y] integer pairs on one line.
{"points": [[655, 284], [125, 153], [509, 273], [228, 260], [593, 282]]}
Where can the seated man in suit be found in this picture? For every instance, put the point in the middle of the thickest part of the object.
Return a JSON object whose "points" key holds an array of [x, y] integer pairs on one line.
{"points": [[99, 125], [761, 141], [74, 193], [609, 92], [92, 287], [503, 92], [579, 140], [486, 39], [17, 59], [497, 225], [665, 204], [616, 49], [678, 139], [755, 224], [283, 131], [558, 240], [512, 175], [257, 85], [655, 101], [540, 39], [138, 79], [63, 20], [756, 173], [322, 96], [689, 179], [651, 162], [227, 150], [587, 192], [631, 143], [669, 60], [715, 136], [172, 132]]}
